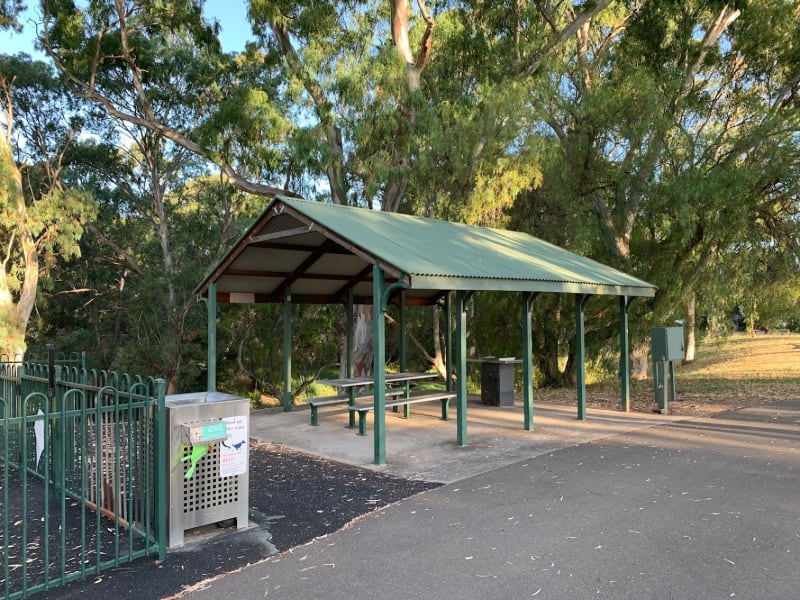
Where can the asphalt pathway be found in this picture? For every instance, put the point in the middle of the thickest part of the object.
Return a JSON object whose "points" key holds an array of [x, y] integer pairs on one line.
{"points": [[706, 508], [295, 497]]}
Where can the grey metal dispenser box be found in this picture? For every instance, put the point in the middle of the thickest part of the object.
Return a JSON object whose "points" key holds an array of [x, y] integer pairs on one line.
{"points": [[208, 444]]}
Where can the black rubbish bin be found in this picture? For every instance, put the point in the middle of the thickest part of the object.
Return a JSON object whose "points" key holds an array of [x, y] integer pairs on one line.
{"points": [[497, 381]]}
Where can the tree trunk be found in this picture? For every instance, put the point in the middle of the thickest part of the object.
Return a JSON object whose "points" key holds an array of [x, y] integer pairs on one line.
{"points": [[14, 316], [438, 359], [362, 340], [547, 358], [639, 362], [689, 326]]}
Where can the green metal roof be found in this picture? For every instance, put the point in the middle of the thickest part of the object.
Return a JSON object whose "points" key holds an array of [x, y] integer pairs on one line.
{"points": [[320, 250]]}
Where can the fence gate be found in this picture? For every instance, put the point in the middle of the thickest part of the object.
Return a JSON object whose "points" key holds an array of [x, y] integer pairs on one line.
{"points": [[81, 489]]}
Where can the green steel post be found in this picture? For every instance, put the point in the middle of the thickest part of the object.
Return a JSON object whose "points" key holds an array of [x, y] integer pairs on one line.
{"points": [[56, 408], [378, 362], [5, 411], [349, 326], [211, 304], [661, 383], [672, 381], [403, 351], [448, 341], [580, 312], [161, 455], [527, 359], [624, 354], [461, 367], [287, 350], [349, 366], [402, 324]]}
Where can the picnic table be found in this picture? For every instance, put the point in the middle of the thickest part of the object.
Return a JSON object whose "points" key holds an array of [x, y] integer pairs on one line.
{"points": [[391, 378], [397, 393]]}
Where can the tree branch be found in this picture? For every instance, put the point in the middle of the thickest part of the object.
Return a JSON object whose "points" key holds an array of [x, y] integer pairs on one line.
{"points": [[426, 43], [335, 167], [718, 27], [570, 30], [88, 90], [127, 258]]}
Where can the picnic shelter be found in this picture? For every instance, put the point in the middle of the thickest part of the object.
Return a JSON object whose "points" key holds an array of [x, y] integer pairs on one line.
{"points": [[315, 252]]}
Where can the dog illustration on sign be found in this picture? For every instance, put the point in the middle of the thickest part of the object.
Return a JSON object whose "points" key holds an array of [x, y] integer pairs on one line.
{"points": [[237, 446]]}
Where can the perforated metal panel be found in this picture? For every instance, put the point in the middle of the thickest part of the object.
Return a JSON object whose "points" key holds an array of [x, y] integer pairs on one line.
{"points": [[206, 497], [206, 490]]}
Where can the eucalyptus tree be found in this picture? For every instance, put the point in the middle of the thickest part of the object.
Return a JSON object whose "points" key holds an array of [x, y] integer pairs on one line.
{"points": [[158, 73], [633, 117], [677, 137], [353, 70], [655, 136], [41, 218]]}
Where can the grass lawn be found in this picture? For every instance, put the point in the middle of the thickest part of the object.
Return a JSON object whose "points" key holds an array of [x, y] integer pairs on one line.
{"points": [[740, 370]]}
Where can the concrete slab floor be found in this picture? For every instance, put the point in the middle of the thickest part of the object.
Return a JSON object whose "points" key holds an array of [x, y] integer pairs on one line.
{"points": [[424, 446]]}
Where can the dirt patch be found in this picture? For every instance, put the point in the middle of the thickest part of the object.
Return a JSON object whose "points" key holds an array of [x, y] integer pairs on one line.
{"points": [[727, 374], [690, 403]]}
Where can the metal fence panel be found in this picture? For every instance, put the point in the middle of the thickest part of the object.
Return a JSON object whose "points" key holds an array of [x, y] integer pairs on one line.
{"points": [[81, 489]]}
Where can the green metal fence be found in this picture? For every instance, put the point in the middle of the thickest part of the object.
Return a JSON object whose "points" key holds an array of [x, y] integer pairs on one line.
{"points": [[81, 486]]}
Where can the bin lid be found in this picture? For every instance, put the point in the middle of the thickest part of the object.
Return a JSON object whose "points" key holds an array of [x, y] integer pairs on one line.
{"points": [[191, 398]]}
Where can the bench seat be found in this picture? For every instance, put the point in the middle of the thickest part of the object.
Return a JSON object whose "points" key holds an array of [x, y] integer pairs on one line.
{"points": [[415, 397], [316, 403]]}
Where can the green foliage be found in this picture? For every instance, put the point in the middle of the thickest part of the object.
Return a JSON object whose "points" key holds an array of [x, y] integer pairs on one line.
{"points": [[644, 140], [9, 11], [41, 217], [252, 338]]}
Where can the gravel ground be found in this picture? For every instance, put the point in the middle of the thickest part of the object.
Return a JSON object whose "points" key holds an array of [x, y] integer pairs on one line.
{"points": [[317, 496], [294, 498], [67, 526]]}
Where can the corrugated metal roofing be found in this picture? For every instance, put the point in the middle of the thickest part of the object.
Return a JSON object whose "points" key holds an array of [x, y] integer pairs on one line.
{"points": [[320, 250]]}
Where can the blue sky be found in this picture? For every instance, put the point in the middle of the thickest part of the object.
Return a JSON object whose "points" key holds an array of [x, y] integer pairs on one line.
{"points": [[231, 14]]}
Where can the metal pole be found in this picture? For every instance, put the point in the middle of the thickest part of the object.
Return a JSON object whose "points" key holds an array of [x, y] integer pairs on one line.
{"points": [[161, 455], [56, 411], [403, 351], [661, 381], [51, 370], [448, 340], [378, 361], [672, 381], [287, 350], [402, 318], [349, 366], [211, 304], [461, 367], [624, 354], [527, 359], [580, 351]]}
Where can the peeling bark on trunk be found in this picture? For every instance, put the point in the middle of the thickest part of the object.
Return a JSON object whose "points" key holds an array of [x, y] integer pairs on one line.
{"points": [[639, 361], [437, 360], [689, 328], [362, 342], [14, 316], [547, 356]]}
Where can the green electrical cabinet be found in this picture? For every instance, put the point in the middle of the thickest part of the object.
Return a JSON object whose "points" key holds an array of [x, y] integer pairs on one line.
{"points": [[666, 346], [667, 343]]}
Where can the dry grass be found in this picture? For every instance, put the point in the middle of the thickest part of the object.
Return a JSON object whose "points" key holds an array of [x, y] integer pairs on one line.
{"points": [[728, 373]]}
